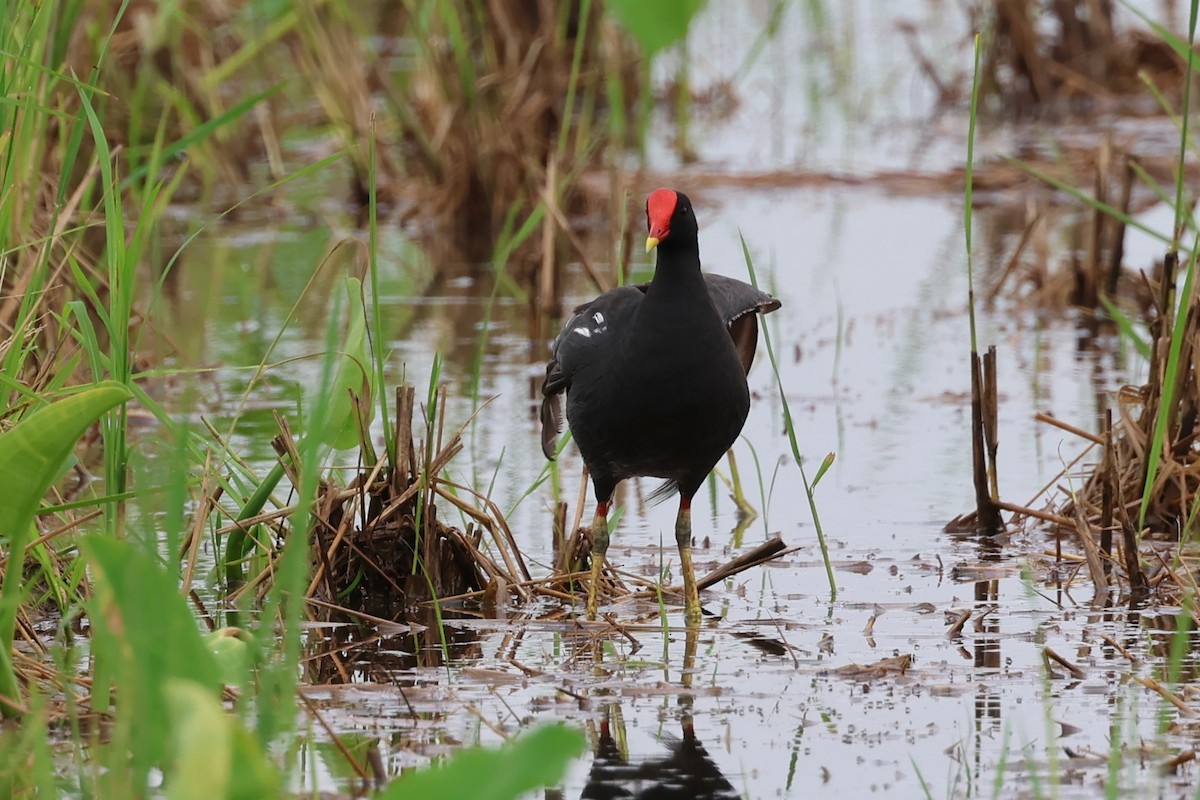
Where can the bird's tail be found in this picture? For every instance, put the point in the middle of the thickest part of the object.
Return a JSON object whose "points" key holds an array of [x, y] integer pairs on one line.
{"points": [[662, 492], [551, 423]]}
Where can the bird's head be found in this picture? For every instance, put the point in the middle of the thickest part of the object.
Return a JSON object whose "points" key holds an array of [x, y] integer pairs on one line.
{"points": [[669, 214]]}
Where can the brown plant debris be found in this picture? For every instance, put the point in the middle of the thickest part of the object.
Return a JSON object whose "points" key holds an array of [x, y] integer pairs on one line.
{"points": [[1068, 55], [502, 124], [381, 552], [1133, 501], [896, 665], [1049, 655], [379, 545], [1039, 272]]}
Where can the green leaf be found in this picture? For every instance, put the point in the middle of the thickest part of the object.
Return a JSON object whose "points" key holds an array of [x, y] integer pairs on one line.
{"points": [[354, 374], [656, 24], [33, 452], [825, 465], [201, 742], [215, 758], [31, 455], [536, 759], [144, 635], [231, 653]]}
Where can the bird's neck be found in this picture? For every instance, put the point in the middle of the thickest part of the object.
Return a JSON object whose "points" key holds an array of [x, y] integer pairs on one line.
{"points": [[677, 272]]}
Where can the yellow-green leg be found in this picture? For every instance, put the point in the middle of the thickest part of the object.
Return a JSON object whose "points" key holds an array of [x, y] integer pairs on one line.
{"points": [[599, 548], [683, 537]]}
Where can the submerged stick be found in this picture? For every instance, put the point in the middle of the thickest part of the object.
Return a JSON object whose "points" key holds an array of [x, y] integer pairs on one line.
{"points": [[761, 554], [1048, 655], [1167, 694]]}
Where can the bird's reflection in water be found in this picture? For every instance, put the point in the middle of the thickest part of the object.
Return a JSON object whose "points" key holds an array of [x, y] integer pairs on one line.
{"points": [[685, 771]]}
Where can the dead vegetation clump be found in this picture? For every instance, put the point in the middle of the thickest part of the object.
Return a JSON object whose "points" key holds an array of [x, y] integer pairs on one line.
{"points": [[1058, 256], [475, 121], [146, 76], [1090, 267], [1125, 508], [506, 119], [573, 554], [383, 549], [160, 75], [380, 550], [1068, 56], [486, 116], [1166, 407]]}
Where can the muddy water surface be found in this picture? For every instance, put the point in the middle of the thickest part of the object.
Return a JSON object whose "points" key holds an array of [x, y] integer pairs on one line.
{"points": [[787, 688]]}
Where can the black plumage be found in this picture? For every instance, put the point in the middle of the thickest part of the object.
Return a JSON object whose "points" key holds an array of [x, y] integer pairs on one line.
{"points": [[655, 377]]}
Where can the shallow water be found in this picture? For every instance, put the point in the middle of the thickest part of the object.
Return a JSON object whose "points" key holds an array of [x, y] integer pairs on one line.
{"points": [[872, 344], [778, 719]]}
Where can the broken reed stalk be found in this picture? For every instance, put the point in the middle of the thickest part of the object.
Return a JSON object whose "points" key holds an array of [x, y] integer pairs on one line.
{"points": [[1108, 492], [1087, 543], [560, 526], [1089, 280], [991, 422], [404, 457], [1116, 252], [983, 444], [987, 516], [576, 544]]}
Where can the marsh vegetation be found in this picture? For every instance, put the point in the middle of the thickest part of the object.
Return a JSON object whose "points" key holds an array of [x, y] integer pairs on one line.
{"points": [[276, 285]]}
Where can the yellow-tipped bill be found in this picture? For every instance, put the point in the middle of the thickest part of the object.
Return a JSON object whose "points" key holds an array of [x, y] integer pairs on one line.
{"points": [[651, 243]]}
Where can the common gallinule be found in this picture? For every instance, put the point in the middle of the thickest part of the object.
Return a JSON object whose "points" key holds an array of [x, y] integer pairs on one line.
{"points": [[686, 772], [655, 377]]}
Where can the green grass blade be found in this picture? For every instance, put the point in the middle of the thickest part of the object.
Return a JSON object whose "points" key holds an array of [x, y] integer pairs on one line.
{"points": [[1170, 378], [790, 427], [202, 132], [968, 192]]}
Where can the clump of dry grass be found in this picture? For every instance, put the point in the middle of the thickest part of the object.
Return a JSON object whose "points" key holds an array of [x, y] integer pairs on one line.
{"points": [[485, 125], [143, 74], [513, 112], [1127, 534], [163, 76], [379, 549], [1067, 56], [486, 116], [1058, 256]]}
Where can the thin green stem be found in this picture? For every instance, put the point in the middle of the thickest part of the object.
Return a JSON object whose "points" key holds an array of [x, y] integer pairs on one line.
{"points": [[790, 427], [968, 199]]}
